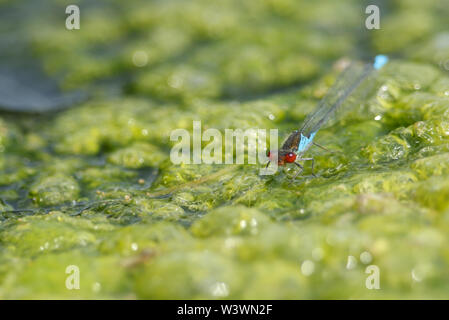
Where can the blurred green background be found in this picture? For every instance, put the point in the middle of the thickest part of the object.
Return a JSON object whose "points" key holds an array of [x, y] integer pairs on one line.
{"points": [[86, 179]]}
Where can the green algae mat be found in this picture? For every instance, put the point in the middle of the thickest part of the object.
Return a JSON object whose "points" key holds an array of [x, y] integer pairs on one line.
{"points": [[92, 207]]}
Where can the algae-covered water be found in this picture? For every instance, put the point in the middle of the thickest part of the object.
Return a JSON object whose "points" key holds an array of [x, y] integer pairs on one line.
{"points": [[87, 187]]}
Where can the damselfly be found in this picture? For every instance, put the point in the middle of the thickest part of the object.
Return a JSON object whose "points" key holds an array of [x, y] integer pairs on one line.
{"points": [[299, 141]]}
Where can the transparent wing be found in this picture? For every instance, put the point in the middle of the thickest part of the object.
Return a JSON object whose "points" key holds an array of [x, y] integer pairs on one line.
{"points": [[345, 84]]}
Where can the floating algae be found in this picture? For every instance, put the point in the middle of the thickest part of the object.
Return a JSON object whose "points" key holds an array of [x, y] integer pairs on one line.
{"points": [[94, 187]]}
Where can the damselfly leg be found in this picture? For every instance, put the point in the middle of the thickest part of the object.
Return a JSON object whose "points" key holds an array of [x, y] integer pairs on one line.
{"points": [[301, 168], [313, 164]]}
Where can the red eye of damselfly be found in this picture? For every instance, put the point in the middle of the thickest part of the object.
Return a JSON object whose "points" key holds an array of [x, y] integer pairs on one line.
{"points": [[290, 157]]}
